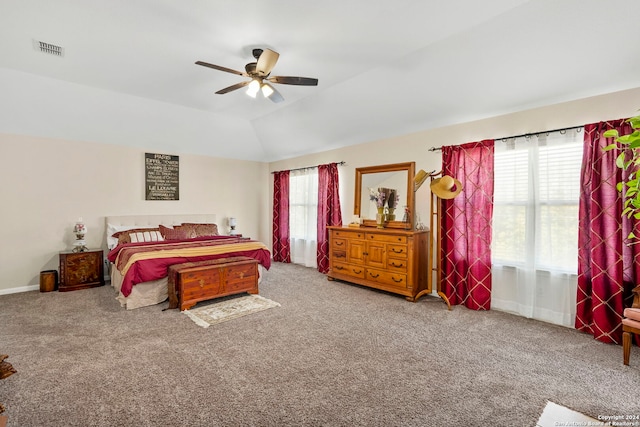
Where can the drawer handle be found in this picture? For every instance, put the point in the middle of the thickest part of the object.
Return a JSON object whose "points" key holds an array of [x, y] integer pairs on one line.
{"points": [[397, 281], [339, 267], [339, 243], [397, 252], [375, 276], [339, 255], [397, 265], [357, 271]]}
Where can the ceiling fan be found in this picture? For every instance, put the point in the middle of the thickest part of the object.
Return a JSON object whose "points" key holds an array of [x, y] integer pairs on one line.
{"points": [[260, 72]]}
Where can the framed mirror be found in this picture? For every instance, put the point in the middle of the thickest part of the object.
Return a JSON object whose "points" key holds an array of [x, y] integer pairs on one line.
{"points": [[394, 179]]}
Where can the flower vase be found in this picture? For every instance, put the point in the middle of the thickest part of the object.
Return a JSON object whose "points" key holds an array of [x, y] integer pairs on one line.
{"points": [[380, 218], [391, 216]]}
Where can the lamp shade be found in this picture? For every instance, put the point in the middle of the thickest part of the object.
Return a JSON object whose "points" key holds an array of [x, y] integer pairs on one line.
{"points": [[253, 88], [267, 91]]}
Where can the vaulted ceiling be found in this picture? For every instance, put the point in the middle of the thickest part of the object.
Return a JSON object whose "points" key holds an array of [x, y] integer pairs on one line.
{"points": [[385, 68]]}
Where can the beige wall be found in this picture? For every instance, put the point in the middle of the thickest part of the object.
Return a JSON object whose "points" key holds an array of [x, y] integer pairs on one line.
{"points": [[47, 184], [415, 147]]}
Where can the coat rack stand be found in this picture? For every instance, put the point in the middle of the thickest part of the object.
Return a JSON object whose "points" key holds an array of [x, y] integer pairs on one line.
{"points": [[436, 207]]}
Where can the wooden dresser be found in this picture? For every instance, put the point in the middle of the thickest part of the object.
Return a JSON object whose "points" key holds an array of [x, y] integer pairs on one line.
{"points": [[392, 260]]}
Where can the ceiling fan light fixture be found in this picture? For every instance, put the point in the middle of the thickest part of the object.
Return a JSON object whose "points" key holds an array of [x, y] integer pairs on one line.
{"points": [[260, 74], [267, 90], [253, 88]]}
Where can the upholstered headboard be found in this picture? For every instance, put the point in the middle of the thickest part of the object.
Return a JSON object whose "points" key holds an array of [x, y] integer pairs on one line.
{"points": [[120, 222], [154, 220]]}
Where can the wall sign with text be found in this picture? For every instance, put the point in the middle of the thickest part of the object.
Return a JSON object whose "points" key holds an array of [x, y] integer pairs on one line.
{"points": [[162, 177]]}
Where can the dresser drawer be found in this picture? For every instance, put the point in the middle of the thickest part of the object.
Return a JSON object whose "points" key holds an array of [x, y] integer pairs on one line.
{"points": [[338, 243], [397, 264], [347, 234], [397, 251], [386, 238], [348, 269], [398, 280]]}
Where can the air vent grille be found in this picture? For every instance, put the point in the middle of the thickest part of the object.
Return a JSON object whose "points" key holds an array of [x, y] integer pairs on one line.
{"points": [[49, 48]]}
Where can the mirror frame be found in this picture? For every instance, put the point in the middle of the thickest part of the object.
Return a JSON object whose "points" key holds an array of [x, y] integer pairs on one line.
{"points": [[410, 168]]}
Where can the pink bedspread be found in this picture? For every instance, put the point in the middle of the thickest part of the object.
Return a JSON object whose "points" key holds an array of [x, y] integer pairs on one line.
{"points": [[144, 262]]}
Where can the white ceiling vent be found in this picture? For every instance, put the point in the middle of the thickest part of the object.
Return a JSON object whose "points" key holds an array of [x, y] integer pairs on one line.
{"points": [[49, 48]]}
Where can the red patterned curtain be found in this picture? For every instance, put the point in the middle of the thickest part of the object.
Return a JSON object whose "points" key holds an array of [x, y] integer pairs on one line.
{"points": [[466, 225], [608, 267], [281, 243], [329, 212]]}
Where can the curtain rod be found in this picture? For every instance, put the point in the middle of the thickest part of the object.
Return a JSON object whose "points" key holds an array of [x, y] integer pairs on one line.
{"points": [[525, 135], [311, 167]]}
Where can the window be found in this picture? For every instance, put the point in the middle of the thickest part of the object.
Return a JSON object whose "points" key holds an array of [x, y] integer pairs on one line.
{"points": [[536, 196], [534, 247], [303, 216]]}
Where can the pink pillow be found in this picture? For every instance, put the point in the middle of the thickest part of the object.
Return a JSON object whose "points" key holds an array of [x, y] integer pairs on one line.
{"points": [[201, 230], [175, 233]]}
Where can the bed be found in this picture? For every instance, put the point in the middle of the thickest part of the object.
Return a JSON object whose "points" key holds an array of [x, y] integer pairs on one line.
{"points": [[139, 255]]}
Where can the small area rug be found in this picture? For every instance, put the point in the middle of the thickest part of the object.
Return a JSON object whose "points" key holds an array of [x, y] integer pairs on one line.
{"points": [[228, 309], [557, 415]]}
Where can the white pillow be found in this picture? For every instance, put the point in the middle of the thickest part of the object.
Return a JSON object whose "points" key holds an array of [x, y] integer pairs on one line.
{"points": [[112, 242], [146, 236]]}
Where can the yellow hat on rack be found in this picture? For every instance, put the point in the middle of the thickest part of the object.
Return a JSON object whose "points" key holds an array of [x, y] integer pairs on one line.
{"points": [[446, 187], [419, 179]]}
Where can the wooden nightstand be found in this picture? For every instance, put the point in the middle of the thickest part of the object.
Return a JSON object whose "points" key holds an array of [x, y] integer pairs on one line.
{"points": [[81, 270]]}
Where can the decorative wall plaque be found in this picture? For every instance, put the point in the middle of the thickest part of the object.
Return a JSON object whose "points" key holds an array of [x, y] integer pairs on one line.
{"points": [[162, 177]]}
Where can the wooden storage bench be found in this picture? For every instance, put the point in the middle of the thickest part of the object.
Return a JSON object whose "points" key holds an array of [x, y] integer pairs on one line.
{"points": [[192, 282]]}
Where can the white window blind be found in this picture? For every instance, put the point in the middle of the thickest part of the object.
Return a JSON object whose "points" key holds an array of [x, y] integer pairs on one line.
{"points": [[536, 196]]}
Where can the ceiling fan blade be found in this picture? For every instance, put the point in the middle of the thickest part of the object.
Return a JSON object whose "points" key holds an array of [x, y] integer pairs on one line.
{"points": [[232, 88], [218, 67], [275, 95], [288, 80], [266, 62]]}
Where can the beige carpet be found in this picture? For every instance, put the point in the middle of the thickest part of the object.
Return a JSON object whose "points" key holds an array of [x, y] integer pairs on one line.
{"points": [[332, 355], [229, 308]]}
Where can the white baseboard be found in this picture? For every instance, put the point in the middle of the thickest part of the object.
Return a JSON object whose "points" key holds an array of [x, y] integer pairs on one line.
{"points": [[107, 281], [19, 289]]}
